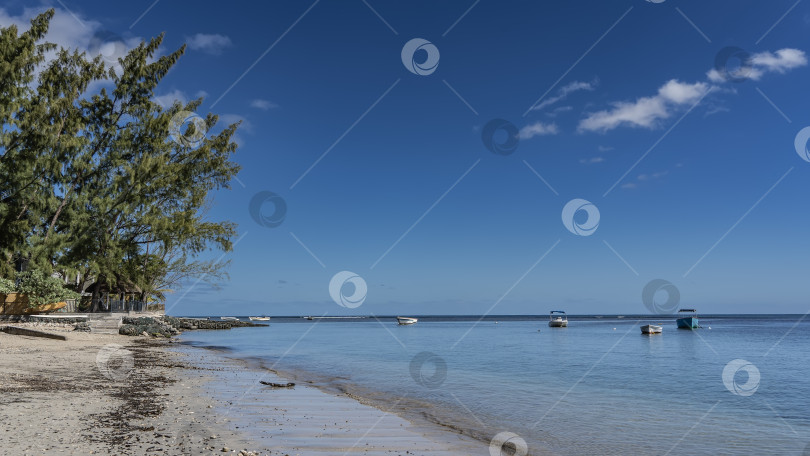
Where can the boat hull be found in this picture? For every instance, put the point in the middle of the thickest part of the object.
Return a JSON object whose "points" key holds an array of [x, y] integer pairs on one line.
{"points": [[558, 324], [688, 323], [651, 329], [406, 321]]}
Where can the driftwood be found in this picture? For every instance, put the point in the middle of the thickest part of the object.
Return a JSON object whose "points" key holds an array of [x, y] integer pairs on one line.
{"points": [[30, 332], [277, 385]]}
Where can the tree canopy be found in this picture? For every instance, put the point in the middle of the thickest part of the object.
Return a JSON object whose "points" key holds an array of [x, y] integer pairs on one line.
{"points": [[98, 179]]}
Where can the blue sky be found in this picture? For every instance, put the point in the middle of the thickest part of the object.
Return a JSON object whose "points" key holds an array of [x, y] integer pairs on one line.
{"points": [[384, 172]]}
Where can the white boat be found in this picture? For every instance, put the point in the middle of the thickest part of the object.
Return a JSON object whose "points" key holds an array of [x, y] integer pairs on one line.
{"points": [[259, 318], [651, 329], [229, 318], [406, 320], [557, 319]]}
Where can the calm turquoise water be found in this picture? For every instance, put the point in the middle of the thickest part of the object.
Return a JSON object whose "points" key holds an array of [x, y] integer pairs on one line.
{"points": [[596, 387]]}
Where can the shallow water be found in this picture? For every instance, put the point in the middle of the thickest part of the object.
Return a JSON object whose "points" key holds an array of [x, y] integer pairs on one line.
{"points": [[596, 387]]}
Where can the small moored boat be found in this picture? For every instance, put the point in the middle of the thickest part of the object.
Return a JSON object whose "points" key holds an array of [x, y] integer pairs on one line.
{"points": [[689, 321], [259, 318], [651, 329], [406, 320], [229, 318], [557, 319]]}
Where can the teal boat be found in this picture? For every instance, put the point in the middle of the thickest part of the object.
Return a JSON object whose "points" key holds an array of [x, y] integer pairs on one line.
{"points": [[688, 322]]}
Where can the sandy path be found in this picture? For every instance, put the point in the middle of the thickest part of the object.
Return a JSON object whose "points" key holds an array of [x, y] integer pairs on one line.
{"points": [[55, 398]]}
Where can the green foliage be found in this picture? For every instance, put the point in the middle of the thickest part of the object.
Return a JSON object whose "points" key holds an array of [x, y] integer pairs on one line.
{"points": [[92, 182], [7, 286], [42, 288]]}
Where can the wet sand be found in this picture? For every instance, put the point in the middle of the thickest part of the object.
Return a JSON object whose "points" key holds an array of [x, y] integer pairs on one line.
{"points": [[307, 420], [110, 394]]}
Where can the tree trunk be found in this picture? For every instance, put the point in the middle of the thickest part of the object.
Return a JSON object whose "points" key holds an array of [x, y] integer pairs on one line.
{"points": [[94, 298]]}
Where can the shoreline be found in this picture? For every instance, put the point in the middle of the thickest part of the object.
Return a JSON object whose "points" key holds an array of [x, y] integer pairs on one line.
{"points": [[421, 414], [112, 394], [343, 422]]}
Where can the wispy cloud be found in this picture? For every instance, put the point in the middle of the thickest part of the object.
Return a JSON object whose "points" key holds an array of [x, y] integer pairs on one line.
{"points": [[647, 178], [167, 100], [592, 160], [674, 96], [714, 108], [558, 110], [658, 175], [209, 43], [766, 62], [75, 31], [228, 119], [602, 148], [565, 91], [538, 129], [646, 112], [262, 104]]}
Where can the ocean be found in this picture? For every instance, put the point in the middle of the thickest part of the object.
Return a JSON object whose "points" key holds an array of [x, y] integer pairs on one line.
{"points": [[738, 385]]}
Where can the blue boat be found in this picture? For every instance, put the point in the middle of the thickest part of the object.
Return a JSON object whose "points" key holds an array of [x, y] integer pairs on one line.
{"points": [[688, 322]]}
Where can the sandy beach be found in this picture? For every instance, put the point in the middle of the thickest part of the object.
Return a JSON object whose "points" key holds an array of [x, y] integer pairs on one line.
{"points": [[111, 394]]}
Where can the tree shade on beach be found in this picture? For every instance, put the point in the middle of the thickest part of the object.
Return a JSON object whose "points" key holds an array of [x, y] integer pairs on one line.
{"points": [[99, 181]]}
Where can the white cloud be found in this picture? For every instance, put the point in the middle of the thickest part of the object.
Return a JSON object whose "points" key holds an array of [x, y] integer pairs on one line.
{"points": [[646, 178], [262, 104], [658, 175], [714, 108], [227, 119], [209, 43], [646, 112], [765, 62], [167, 100], [715, 76], [565, 91], [538, 129], [75, 32], [784, 60], [591, 161], [605, 148], [559, 110]]}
